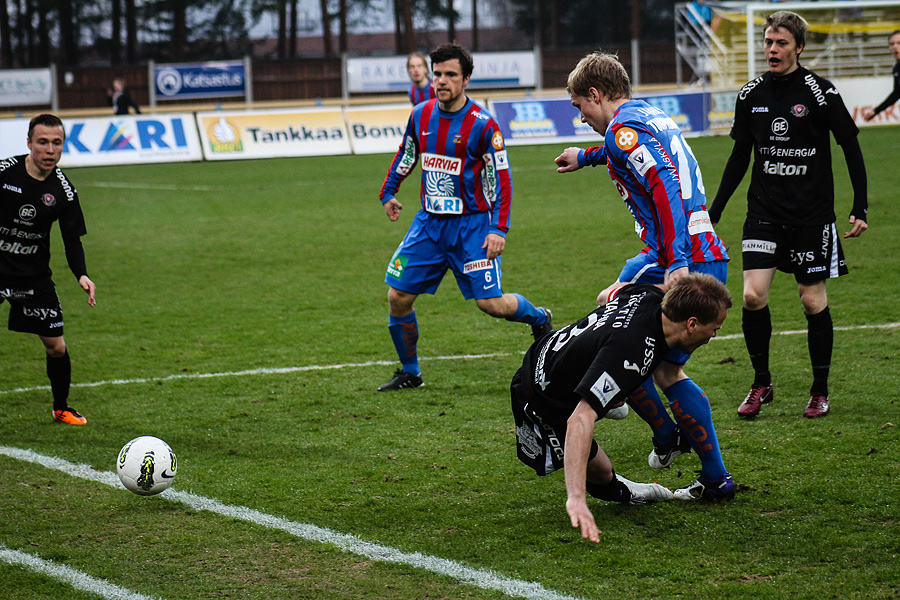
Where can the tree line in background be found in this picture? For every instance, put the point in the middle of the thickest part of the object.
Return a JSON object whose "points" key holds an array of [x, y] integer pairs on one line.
{"points": [[36, 33]]}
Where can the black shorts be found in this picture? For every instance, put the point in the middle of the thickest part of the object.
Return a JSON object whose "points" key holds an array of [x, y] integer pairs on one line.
{"points": [[540, 444], [811, 253], [34, 310]]}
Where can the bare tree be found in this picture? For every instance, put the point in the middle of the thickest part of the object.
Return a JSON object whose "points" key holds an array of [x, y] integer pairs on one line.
{"points": [[115, 46], [282, 29], [292, 40], [179, 28], [5, 41], [130, 32], [451, 22], [326, 28], [68, 30], [342, 43], [408, 26], [475, 25]]}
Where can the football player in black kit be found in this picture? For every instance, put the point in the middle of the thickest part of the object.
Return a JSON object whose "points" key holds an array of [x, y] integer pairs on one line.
{"points": [[785, 118], [575, 376], [894, 44], [34, 193]]}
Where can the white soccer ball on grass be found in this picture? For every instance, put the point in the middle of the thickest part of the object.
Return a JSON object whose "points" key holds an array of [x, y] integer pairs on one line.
{"points": [[146, 465]]}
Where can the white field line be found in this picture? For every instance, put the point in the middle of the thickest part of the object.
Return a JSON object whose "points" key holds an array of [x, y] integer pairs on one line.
{"points": [[374, 363], [482, 578], [735, 336], [260, 371], [151, 186], [77, 579]]}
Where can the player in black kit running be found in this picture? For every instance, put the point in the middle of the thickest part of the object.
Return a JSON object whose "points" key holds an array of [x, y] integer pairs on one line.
{"points": [[34, 193], [786, 117], [573, 377]]}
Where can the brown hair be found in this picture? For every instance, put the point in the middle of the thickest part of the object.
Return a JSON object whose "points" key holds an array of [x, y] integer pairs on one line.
{"points": [[47, 120], [791, 21], [696, 295], [447, 52], [603, 72]]}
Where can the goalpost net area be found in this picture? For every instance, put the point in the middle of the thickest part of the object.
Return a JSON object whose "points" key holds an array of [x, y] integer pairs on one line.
{"points": [[721, 42]]}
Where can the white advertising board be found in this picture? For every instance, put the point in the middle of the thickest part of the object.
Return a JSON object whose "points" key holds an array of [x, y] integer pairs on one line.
{"points": [[26, 87], [115, 140]]}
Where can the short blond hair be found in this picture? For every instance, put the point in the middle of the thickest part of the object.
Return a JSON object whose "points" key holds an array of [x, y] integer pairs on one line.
{"points": [[601, 71]]}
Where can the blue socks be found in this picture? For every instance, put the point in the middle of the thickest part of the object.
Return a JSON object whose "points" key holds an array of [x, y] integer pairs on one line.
{"points": [[647, 404], [405, 335], [526, 312], [690, 406]]}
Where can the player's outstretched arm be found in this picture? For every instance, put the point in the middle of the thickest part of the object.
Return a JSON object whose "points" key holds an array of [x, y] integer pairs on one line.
{"points": [[88, 286], [567, 161], [579, 433]]}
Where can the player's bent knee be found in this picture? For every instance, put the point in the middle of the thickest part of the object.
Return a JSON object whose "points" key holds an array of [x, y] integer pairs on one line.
{"points": [[494, 307]]}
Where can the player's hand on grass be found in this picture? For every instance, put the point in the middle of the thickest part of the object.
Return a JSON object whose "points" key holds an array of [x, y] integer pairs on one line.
{"points": [[581, 516], [568, 160]]}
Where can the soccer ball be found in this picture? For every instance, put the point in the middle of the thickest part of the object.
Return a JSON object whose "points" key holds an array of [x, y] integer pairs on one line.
{"points": [[146, 465]]}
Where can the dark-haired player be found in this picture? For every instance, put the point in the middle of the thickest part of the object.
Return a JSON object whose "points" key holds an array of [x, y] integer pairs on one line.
{"points": [[34, 193], [785, 119], [572, 378], [466, 195], [894, 45]]}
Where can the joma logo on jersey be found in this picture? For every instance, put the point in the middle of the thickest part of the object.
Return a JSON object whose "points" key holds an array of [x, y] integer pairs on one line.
{"points": [[12, 188], [442, 164]]}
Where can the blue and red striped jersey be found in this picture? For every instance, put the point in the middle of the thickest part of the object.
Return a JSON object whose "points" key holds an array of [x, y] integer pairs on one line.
{"points": [[419, 95], [465, 168], [659, 179]]}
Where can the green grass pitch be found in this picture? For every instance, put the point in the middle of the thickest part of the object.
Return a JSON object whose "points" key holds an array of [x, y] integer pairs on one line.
{"points": [[237, 267]]}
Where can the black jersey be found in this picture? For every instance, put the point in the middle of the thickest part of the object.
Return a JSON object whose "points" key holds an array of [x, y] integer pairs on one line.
{"points": [[28, 208], [602, 358], [895, 93], [789, 120]]}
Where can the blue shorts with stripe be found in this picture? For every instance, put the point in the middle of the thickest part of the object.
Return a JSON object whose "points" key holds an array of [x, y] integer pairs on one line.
{"points": [[644, 269], [436, 243]]}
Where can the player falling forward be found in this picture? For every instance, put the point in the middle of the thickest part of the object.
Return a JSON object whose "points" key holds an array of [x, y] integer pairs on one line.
{"points": [[572, 378]]}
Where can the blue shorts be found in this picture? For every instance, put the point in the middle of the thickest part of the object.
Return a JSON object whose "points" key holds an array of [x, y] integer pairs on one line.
{"points": [[434, 244], [644, 269]]}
